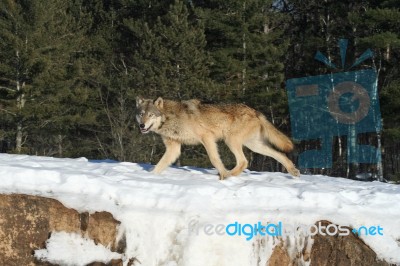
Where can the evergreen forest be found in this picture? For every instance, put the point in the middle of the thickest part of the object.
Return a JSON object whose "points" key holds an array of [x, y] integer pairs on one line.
{"points": [[70, 70]]}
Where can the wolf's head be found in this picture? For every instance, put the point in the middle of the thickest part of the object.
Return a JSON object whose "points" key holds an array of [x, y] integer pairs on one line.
{"points": [[148, 114]]}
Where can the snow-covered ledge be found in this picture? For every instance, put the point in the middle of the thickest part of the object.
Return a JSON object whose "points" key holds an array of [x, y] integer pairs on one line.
{"points": [[187, 217]]}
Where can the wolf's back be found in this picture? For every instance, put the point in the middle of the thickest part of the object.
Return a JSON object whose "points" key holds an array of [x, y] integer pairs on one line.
{"points": [[274, 136]]}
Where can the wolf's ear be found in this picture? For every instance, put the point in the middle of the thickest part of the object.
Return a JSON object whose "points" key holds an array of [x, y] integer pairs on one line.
{"points": [[159, 103], [139, 100]]}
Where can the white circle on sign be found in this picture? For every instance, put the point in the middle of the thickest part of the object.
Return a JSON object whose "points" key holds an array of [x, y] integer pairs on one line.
{"points": [[359, 93]]}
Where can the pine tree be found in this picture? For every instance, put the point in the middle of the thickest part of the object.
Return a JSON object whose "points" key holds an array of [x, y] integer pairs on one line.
{"points": [[377, 27], [246, 43], [39, 39], [167, 59], [170, 59]]}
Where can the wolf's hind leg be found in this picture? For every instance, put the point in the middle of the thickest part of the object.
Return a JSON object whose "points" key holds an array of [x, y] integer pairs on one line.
{"points": [[172, 152], [258, 145], [237, 150], [212, 151]]}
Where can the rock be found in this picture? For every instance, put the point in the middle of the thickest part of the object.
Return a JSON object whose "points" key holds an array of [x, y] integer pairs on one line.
{"points": [[280, 257], [327, 250], [111, 263], [342, 251], [27, 221]]}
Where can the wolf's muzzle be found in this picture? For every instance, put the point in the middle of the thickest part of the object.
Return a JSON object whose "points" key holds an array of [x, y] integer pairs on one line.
{"points": [[143, 128]]}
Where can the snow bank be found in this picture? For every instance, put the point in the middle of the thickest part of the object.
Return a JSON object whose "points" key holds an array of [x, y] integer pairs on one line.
{"points": [[181, 216], [71, 249]]}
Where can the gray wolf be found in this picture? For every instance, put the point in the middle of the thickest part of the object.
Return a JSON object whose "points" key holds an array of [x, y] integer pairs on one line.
{"points": [[192, 122]]}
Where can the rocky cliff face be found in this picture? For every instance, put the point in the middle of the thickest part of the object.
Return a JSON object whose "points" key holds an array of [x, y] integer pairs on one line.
{"points": [[328, 250], [26, 222], [342, 251]]}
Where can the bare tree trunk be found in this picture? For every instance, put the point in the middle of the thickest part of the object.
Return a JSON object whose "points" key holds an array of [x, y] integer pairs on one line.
{"points": [[379, 164], [387, 54], [18, 139], [244, 70], [20, 105], [60, 146], [352, 167]]}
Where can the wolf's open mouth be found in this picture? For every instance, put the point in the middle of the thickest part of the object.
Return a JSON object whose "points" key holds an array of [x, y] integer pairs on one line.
{"points": [[146, 130]]}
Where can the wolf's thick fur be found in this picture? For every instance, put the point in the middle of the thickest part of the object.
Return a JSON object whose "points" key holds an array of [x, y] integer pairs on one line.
{"points": [[191, 122]]}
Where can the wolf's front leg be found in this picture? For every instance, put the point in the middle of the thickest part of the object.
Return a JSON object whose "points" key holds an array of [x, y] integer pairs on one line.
{"points": [[212, 151], [172, 152]]}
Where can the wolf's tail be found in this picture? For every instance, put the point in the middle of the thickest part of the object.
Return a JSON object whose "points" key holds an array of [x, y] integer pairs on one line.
{"points": [[274, 136]]}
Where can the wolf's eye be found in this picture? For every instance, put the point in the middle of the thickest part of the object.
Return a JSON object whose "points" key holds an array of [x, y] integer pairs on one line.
{"points": [[151, 115], [141, 114]]}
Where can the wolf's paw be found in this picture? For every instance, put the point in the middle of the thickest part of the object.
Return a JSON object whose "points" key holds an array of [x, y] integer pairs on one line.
{"points": [[155, 171], [294, 172], [239, 168], [224, 174]]}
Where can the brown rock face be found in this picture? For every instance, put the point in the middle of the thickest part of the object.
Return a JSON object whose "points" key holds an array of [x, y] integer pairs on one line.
{"points": [[27, 221], [342, 251], [280, 257], [327, 251]]}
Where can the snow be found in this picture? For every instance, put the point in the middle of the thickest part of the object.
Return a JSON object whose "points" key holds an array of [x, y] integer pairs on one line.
{"points": [[71, 249], [178, 217]]}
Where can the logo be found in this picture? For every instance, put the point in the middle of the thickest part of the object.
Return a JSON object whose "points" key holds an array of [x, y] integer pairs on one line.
{"points": [[279, 229], [337, 104]]}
